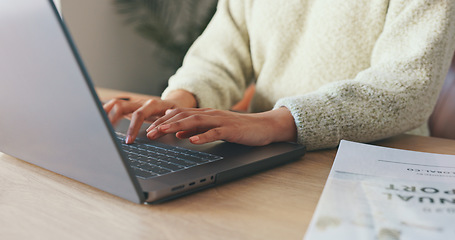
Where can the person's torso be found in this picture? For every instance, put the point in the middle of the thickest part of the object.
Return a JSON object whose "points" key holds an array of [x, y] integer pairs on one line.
{"points": [[297, 46]]}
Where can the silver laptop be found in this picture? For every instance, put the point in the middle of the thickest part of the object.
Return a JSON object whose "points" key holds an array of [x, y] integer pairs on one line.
{"points": [[52, 117]]}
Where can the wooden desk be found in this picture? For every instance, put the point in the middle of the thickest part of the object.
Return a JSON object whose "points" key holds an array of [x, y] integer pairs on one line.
{"points": [[276, 204]]}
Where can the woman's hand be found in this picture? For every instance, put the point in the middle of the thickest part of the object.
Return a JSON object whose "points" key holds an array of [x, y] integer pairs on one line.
{"points": [[145, 109], [208, 125]]}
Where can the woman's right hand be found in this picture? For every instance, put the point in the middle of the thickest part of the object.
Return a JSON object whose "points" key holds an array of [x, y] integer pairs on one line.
{"points": [[145, 109]]}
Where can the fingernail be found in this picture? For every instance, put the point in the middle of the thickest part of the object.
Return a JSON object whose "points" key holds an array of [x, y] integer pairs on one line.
{"points": [[128, 139], [152, 133], [150, 128], [194, 139], [168, 111], [165, 127]]}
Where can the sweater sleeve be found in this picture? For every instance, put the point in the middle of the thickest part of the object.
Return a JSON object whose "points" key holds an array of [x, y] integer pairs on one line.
{"points": [[218, 79], [396, 93]]}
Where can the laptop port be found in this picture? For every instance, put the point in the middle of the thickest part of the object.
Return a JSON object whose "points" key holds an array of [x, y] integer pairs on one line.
{"points": [[177, 188]]}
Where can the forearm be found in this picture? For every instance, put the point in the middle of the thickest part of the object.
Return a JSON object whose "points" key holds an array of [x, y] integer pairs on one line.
{"points": [[182, 98], [395, 94]]}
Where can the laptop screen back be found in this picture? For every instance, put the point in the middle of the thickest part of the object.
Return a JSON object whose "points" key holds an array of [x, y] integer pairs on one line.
{"points": [[49, 113]]}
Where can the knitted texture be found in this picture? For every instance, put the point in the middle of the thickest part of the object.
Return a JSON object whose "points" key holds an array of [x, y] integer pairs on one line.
{"points": [[356, 70]]}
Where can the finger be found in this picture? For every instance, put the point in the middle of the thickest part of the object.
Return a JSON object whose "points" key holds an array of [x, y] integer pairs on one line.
{"points": [[149, 110], [190, 133], [138, 117], [151, 119], [211, 135], [122, 109], [109, 105], [171, 113], [117, 108], [184, 122], [116, 114]]}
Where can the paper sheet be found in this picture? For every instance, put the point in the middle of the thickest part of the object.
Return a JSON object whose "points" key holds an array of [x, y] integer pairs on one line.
{"points": [[386, 194]]}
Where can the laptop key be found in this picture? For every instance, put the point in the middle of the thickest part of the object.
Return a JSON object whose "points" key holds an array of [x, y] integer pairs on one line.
{"points": [[171, 166], [195, 159], [143, 174], [184, 163], [135, 164]]}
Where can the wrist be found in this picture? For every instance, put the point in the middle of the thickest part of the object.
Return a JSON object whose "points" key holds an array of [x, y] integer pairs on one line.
{"points": [[284, 128], [182, 98]]}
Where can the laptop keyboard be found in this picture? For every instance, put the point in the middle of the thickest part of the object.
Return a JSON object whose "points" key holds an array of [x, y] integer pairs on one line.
{"points": [[149, 160]]}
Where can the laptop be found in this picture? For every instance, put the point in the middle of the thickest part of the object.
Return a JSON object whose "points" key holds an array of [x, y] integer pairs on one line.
{"points": [[51, 117]]}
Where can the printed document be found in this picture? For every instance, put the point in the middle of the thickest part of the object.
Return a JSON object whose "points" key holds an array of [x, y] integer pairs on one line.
{"points": [[386, 194]]}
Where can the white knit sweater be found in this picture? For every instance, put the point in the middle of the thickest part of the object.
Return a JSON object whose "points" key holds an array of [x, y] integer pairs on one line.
{"points": [[361, 70]]}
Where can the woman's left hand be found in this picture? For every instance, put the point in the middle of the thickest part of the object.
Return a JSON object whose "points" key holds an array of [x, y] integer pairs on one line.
{"points": [[208, 125]]}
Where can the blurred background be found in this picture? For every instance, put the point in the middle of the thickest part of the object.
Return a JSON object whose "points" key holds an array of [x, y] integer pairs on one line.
{"points": [[134, 45]]}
